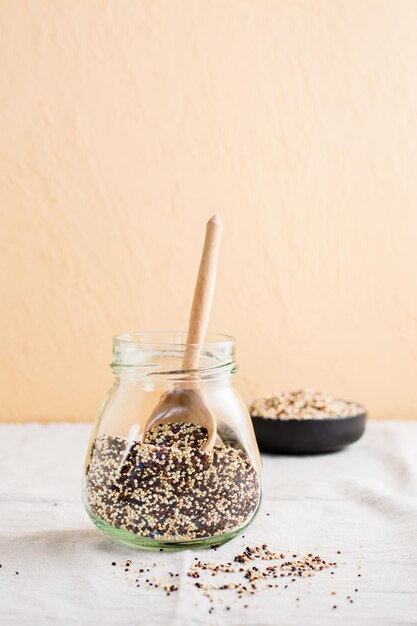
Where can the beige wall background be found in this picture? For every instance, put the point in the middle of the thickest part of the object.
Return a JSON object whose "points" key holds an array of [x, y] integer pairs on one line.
{"points": [[125, 124]]}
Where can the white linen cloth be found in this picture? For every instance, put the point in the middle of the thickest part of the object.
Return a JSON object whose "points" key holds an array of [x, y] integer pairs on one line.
{"points": [[361, 501]]}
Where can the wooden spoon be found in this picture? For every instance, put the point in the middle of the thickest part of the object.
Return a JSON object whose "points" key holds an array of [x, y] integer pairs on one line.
{"points": [[187, 403]]}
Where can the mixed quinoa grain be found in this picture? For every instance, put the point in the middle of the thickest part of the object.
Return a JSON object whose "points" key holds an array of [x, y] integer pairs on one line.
{"points": [[234, 584], [166, 488], [301, 404]]}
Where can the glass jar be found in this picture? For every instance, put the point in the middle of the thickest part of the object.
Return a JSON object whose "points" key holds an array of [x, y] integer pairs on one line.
{"points": [[166, 492]]}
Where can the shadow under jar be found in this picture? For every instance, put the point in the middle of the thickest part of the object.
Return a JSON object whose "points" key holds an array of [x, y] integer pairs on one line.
{"points": [[164, 491]]}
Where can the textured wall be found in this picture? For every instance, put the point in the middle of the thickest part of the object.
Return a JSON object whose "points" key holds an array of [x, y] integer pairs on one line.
{"points": [[125, 124]]}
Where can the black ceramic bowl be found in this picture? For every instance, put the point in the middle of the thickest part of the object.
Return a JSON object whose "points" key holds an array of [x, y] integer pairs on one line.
{"points": [[307, 436]]}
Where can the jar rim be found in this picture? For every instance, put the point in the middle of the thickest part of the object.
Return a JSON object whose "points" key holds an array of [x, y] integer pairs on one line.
{"points": [[161, 353], [138, 338]]}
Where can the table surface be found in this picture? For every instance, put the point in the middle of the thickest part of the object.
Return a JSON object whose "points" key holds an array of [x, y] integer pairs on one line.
{"points": [[361, 501]]}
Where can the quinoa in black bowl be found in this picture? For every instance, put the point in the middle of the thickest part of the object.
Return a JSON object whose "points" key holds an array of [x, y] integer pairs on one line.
{"points": [[306, 422]]}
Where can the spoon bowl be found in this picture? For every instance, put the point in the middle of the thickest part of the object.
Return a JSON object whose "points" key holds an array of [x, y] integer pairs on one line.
{"points": [[184, 405]]}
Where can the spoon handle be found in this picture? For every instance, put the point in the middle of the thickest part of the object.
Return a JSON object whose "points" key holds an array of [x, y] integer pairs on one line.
{"points": [[203, 293]]}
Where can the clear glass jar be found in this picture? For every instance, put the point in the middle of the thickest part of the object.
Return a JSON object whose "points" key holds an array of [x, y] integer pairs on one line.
{"points": [[165, 492]]}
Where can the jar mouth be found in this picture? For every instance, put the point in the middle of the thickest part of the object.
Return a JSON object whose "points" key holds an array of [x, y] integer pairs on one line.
{"points": [[160, 339], [161, 353]]}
